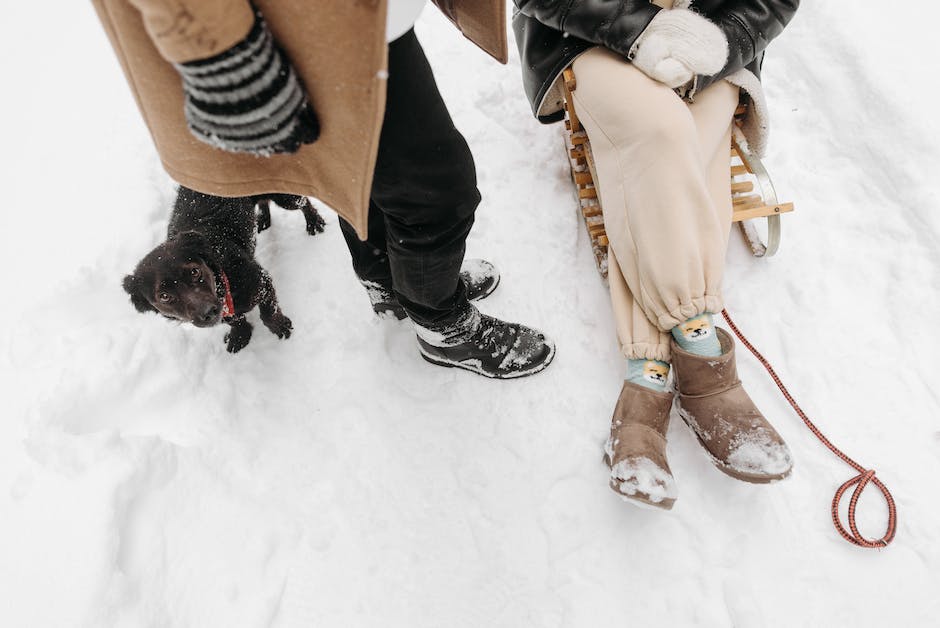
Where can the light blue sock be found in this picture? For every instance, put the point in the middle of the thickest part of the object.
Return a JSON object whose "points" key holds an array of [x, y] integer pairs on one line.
{"points": [[698, 335], [649, 373]]}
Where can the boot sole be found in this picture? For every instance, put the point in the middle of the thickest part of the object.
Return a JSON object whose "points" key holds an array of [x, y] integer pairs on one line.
{"points": [[639, 498], [475, 369], [751, 478]]}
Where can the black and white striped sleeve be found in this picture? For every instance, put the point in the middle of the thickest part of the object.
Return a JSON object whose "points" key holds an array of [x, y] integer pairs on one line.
{"points": [[248, 99]]}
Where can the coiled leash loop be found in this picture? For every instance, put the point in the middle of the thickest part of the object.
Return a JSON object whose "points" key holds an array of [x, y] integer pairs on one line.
{"points": [[860, 481]]}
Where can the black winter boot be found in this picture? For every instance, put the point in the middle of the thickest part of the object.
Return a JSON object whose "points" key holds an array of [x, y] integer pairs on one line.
{"points": [[480, 277], [488, 346]]}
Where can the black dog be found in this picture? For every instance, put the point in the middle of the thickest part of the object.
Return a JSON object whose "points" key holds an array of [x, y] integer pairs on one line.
{"points": [[205, 272]]}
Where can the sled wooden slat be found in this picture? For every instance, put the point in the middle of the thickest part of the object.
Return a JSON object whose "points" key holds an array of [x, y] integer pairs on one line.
{"points": [[752, 192], [570, 83], [752, 200], [762, 211], [583, 178], [587, 193]]}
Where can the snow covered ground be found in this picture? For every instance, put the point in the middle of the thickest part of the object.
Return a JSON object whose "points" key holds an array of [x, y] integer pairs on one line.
{"points": [[147, 478]]}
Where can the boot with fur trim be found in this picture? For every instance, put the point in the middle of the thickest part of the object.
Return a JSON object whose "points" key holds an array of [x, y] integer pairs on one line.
{"points": [[734, 433], [636, 449]]}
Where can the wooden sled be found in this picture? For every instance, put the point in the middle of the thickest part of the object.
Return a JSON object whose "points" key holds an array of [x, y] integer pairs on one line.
{"points": [[750, 201]]}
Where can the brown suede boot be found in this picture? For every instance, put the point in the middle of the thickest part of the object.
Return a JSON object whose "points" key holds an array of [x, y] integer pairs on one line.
{"points": [[636, 449], [737, 437]]}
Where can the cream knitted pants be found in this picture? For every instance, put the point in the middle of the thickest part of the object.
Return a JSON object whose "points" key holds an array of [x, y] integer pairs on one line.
{"points": [[664, 183]]}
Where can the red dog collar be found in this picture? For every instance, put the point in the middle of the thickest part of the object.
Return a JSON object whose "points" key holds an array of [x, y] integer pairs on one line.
{"points": [[228, 307]]}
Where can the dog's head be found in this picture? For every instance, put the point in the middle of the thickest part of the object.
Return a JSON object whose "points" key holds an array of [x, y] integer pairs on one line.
{"points": [[178, 280]]}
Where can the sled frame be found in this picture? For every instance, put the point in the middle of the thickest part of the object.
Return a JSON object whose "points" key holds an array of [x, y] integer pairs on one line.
{"points": [[753, 195]]}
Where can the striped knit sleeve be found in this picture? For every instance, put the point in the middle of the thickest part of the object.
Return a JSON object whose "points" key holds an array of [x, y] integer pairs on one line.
{"points": [[248, 99]]}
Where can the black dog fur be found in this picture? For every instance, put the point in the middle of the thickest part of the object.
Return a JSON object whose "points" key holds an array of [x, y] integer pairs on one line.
{"points": [[208, 236]]}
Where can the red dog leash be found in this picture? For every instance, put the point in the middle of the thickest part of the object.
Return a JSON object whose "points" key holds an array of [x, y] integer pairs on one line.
{"points": [[860, 481]]}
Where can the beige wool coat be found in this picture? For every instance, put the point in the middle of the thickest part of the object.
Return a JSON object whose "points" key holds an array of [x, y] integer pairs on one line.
{"points": [[340, 53]]}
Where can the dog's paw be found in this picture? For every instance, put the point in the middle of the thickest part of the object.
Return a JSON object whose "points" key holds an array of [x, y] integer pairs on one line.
{"points": [[237, 338], [315, 222], [280, 325]]}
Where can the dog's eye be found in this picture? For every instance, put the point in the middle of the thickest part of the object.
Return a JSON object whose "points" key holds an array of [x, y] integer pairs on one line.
{"points": [[164, 297], [195, 273]]}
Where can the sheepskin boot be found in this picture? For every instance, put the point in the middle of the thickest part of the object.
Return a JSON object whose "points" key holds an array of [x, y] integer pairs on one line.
{"points": [[636, 449], [734, 433]]}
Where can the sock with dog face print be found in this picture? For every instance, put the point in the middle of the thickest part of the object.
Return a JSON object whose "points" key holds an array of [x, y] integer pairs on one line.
{"points": [[649, 373], [697, 335]]}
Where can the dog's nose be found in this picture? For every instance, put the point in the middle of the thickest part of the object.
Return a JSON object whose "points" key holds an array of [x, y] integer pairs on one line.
{"points": [[209, 314]]}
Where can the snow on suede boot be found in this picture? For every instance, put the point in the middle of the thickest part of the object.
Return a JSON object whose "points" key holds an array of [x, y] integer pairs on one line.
{"points": [[734, 433], [636, 449], [487, 346], [480, 276]]}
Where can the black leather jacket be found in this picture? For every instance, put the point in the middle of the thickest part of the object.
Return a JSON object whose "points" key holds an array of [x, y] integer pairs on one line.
{"points": [[551, 33]]}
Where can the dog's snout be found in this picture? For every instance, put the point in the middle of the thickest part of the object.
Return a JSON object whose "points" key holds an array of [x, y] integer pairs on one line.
{"points": [[209, 314]]}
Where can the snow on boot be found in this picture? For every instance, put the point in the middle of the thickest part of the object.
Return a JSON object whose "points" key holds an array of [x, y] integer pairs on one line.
{"points": [[636, 449], [384, 302], [486, 345], [734, 433], [479, 275]]}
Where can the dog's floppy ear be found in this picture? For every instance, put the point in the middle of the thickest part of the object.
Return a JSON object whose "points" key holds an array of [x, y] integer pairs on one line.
{"points": [[134, 287]]}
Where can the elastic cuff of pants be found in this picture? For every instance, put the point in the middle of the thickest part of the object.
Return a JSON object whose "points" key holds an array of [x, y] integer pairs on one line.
{"points": [[453, 333], [647, 351], [711, 303]]}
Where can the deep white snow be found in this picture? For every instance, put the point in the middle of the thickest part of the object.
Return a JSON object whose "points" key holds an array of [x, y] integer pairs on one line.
{"points": [[150, 479]]}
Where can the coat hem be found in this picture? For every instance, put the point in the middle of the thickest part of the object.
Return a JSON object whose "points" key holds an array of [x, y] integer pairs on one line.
{"points": [[554, 91], [244, 187]]}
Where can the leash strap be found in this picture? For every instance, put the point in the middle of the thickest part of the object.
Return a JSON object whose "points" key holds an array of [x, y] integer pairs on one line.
{"points": [[860, 481]]}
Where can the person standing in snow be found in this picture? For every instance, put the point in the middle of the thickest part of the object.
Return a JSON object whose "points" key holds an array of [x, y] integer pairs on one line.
{"points": [[657, 88], [336, 101]]}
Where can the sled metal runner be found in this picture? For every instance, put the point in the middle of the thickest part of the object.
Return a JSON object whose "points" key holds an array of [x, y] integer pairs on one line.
{"points": [[752, 192]]}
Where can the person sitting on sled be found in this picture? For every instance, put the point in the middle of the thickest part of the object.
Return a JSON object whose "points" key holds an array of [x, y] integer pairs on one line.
{"points": [[334, 100], [657, 88]]}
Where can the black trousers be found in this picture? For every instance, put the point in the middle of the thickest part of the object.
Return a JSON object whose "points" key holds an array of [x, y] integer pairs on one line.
{"points": [[424, 195]]}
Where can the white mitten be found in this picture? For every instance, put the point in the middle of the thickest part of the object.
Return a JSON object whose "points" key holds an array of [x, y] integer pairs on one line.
{"points": [[679, 44]]}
